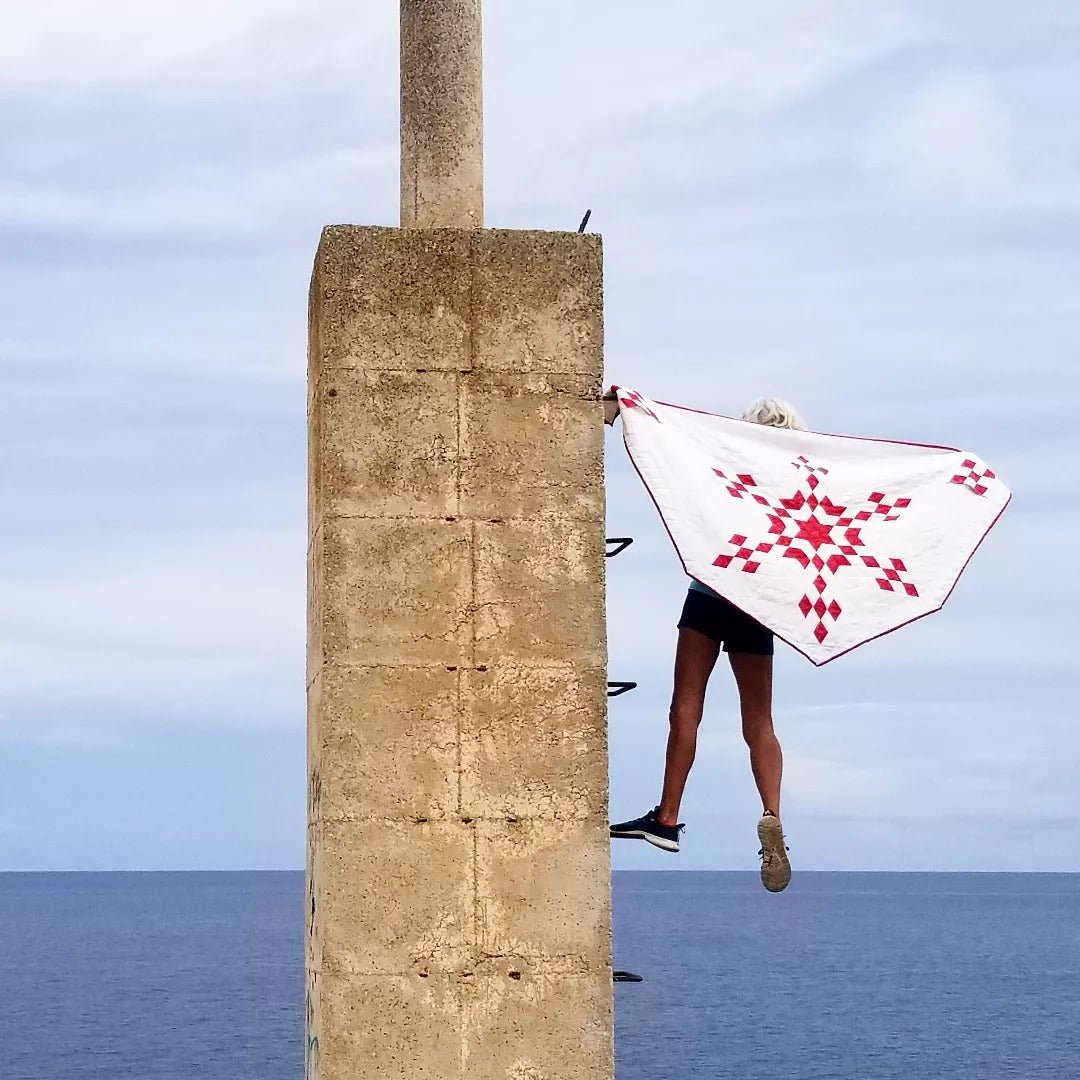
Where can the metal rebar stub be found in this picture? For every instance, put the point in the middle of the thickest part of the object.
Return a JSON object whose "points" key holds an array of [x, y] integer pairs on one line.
{"points": [[621, 544]]}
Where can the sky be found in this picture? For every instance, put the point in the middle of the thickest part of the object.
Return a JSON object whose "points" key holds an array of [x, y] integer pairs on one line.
{"points": [[869, 209]]}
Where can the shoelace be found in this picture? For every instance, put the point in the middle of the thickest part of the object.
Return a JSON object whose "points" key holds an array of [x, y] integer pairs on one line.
{"points": [[769, 857]]}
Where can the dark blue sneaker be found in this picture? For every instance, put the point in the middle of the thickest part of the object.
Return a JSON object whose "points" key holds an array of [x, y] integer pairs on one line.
{"points": [[648, 828]]}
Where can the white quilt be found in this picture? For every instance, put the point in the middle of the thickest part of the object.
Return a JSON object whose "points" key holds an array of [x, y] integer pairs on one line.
{"points": [[828, 540]]}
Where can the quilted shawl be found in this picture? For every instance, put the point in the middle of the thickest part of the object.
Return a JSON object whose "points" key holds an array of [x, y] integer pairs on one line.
{"points": [[828, 540]]}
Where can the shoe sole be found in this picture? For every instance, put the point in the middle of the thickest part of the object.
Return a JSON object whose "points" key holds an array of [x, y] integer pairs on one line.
{"points": [[771, 838], [656, 841]]}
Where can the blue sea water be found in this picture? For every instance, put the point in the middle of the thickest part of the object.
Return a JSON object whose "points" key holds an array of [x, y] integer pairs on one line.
{"points": [[843, 977]]}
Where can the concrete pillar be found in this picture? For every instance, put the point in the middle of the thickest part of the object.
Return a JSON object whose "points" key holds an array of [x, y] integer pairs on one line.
{"points": [[442, 120], [458, 859]]}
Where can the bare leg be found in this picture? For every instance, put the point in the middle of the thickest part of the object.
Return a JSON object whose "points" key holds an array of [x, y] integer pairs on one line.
{"points": [[753, 676], [695, 657]]}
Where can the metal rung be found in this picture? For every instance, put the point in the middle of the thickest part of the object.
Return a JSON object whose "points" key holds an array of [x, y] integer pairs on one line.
{"points": [[623, 543], [625, 976], [620, 688]]}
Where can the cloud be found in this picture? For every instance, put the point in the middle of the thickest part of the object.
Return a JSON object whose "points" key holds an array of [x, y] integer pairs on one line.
{"points": [[150, 76], [636, 107], [730, 57], [167, 168], [210, 626], [214, 204], [953, 139], [751, 58], [201, 45], [62, 735]]}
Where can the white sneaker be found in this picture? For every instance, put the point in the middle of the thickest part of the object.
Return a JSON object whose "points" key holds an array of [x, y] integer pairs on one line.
{"points": [[775, 865]]}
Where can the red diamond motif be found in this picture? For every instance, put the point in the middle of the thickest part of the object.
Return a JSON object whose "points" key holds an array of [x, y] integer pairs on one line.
{"points": [[974, 476]]}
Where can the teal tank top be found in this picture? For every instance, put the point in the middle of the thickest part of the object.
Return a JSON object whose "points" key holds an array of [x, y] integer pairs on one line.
{"points": [[696, 586]]}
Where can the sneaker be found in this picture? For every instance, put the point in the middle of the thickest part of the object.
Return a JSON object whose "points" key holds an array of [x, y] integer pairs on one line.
{"points": [[648, 828], [775, 865]]}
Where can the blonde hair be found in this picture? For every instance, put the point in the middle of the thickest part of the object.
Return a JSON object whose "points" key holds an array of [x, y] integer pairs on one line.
{"points": [[774, 412]]}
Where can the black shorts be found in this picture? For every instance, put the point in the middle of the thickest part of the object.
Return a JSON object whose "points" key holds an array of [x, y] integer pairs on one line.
{"points": [[722, 621]]}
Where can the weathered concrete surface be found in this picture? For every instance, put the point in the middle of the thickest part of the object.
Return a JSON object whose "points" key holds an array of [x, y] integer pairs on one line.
{"points": [[442, 115], [458, 858]]}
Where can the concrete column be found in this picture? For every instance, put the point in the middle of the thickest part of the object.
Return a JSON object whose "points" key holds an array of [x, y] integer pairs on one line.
{"points": [[442, 121], [459, 922]]}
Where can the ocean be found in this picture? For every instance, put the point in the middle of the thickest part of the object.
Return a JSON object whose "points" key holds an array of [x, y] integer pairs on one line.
{"points": [[198, 976]]}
